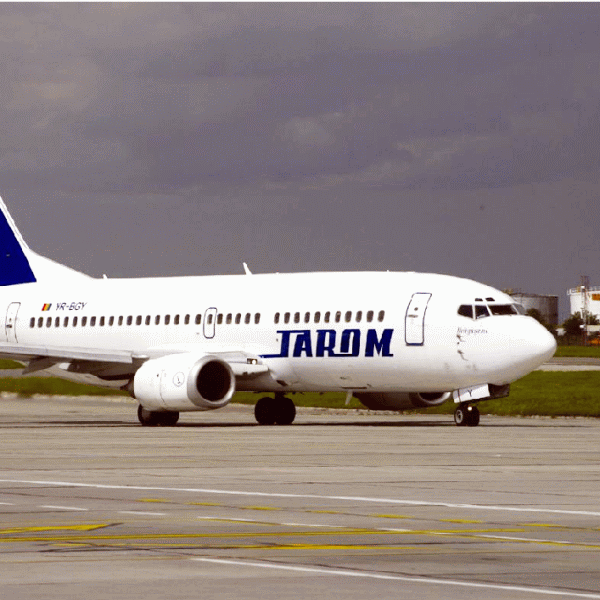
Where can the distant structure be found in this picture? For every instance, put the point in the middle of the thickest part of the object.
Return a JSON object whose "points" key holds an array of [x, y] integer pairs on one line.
{"points": [[584, 298], [547, 305]]}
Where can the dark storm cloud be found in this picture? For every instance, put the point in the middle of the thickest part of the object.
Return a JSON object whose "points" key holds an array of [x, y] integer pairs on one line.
{"points": [[288, 116]]}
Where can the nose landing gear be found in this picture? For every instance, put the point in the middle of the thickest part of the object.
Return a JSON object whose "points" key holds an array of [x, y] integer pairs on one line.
{"points": [[466, 415]]}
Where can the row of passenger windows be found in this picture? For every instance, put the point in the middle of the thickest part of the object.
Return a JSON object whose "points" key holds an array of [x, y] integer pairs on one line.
{"points": [[329, 317], [147, 320]]}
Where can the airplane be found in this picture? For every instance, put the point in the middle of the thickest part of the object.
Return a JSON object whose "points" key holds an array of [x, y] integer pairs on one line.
{"points": [[394, 340]]}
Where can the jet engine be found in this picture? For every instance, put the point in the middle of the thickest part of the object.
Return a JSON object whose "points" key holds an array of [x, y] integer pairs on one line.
{"points": [[181, 382], [401, 400]]}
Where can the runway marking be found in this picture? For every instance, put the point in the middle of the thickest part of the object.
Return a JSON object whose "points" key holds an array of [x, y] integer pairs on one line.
{"points": [[54, 528], [141, 512], [7, 504], [390, 516], [64, 507], [158, 500], [405, 578], [364, 499]]}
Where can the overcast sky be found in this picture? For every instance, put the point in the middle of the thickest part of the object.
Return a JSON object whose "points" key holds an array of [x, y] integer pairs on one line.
{"points": [[178, 139]]}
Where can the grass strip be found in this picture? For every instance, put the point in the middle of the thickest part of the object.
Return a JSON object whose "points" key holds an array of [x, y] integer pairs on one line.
{"points": [[543, 393]]}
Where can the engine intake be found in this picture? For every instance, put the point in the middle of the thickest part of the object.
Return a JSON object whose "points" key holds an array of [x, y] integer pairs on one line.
{"points": [[181, 382]]}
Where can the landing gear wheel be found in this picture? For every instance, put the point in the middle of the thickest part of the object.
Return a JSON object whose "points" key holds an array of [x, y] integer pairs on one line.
{"points": [[466, 415], [168, 419], [285, 411], [460, 416], [147, 417], [265, 411]]}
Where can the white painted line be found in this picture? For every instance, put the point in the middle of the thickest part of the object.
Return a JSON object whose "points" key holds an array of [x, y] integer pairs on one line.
{"points": [[141, 512], [405, 578], [354, 499], [63, 507], [7, 504]]}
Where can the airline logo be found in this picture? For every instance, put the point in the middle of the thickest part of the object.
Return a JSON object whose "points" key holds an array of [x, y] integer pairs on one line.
{"points": [[46, 307], [327, 342]]}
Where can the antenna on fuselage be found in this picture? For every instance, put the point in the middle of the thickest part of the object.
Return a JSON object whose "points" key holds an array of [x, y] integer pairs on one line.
{"points": [[246, 269]]}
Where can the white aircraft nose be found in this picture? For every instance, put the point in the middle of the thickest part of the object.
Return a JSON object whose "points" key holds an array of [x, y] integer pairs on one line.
{"points": [[534, 345]]}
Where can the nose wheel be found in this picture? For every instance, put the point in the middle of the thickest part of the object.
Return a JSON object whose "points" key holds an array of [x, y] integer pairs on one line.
{"points": [[466, 415]]}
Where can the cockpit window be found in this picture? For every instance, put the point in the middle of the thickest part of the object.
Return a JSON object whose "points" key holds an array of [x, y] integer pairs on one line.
{"points": [[466, 310], [503, 309], [481, 310]]}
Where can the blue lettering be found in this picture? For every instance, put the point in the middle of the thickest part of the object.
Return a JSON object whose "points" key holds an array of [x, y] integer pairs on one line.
{"points": [[325, 342], [347, 335], [303, 344], [382, 346]]}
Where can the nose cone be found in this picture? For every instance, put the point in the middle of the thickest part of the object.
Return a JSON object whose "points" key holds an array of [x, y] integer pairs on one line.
{"points": [[533, 345]]}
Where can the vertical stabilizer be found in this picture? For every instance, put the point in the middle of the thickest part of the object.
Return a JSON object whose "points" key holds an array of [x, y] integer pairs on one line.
{"points": [[19, 264]]}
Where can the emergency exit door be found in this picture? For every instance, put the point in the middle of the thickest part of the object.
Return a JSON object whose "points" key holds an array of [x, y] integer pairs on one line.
{"points": [[414, 322]]}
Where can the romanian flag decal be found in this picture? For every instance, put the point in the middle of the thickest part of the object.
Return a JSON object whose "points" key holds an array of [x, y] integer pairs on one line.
{"points": [[46, 307]]}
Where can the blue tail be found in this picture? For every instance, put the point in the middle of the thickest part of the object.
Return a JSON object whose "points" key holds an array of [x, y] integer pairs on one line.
{"points": [[14, 264]]}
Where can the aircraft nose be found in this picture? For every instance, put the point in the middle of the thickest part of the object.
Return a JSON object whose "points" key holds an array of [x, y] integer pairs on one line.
{"points": [[537, 344]]}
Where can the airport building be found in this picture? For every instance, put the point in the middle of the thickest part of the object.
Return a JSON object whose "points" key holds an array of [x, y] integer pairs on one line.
{"points": [[547, 305]]}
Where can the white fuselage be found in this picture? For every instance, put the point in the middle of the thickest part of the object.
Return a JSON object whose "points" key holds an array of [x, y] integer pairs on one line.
{"points": [[395, 332]]}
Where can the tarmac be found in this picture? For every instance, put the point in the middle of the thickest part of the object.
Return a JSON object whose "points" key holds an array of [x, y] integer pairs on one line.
{"points": [[341, 504]]}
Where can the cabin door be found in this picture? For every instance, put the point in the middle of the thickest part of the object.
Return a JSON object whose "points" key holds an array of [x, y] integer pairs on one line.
{"points": [[11, 322], [414, 322], [210, 319]]}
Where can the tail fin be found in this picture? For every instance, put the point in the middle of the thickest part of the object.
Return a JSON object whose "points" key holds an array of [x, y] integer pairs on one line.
{"points": [[19, 264]]}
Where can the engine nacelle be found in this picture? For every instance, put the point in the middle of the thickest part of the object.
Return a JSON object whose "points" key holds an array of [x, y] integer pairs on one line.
{"points": [[401, 400], [181, 382]]}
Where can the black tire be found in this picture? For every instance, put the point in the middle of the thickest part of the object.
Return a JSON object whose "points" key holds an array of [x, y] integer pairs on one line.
{"points": [[473, 416], [147, 417], [461, 416], [264, 411], [168, 419], [285, 411]]}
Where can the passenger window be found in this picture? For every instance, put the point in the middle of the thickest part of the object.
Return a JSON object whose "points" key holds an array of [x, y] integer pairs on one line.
{"points": [[481, 311], [220, 319], [83, 321], [338, 316], [381, 316], [186, 321], [465, 310], [129, 320], [307, 317], [370, 316], [57, 322], [92, 321], [32, 322], [167, 319], [101, 321], [317, 317], [157, 320], [120, 321], [247, 319], [359, 316], [66, 322], [257, 318], [286, 318], [111, 321], [176, 320], [238, 318], [138, 320], [348, 316], [74, 321], [210, 319], [229, 319], [327, 317], [198, 319], [49, 322], [147, 320], [40, 321], [297, 317], [276, 319]]}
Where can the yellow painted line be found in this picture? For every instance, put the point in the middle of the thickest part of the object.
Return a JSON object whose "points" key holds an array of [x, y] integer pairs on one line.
{"points": [[54, 528], [203, 504], [545, 525], [326, 512], [260, 508], [464, 521], [390, 516], [161, 500]]}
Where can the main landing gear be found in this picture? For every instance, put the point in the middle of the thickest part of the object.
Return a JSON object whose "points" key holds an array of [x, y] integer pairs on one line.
{"points": [[275, 411], [466, 415], [150, 418]]}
